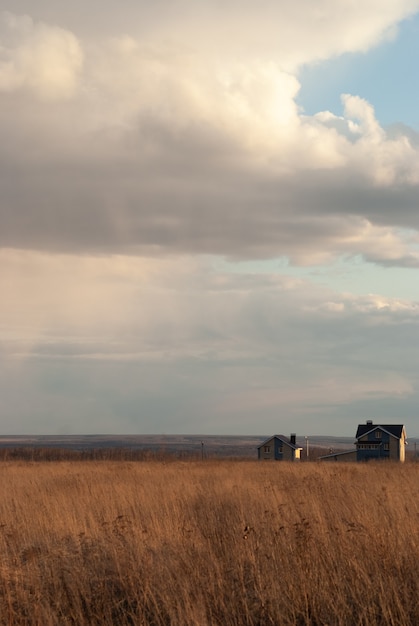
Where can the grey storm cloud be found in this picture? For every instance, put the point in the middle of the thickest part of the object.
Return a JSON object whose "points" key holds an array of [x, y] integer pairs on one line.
{"points": [[146, 191]]}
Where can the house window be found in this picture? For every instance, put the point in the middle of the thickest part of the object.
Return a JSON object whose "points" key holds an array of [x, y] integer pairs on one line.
{"points": [[280, 449], [386, 446], [378, 434], [267, 449]]}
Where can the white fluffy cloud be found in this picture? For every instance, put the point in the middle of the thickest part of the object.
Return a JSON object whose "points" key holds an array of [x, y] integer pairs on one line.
{"points": [[291, 33], [42, 58]]}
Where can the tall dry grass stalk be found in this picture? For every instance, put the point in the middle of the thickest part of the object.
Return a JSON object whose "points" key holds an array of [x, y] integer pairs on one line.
{"points": [[213, 543]]}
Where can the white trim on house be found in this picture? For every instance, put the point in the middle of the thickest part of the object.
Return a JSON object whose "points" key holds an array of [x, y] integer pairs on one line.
{"points": [[382, 429]]}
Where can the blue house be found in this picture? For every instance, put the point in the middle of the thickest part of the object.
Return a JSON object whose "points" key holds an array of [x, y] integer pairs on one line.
{"points": [[380, 441], [279, 448]]}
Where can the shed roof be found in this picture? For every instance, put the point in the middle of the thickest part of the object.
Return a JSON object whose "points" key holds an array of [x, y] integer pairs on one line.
{"points": [[333, 454], [283, 439], [396, 430]]}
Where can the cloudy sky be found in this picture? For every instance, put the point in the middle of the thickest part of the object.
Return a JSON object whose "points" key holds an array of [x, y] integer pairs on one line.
{"points": [[209, 216]]}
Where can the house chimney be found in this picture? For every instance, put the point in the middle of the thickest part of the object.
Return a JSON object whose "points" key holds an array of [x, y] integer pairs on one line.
{"points": [[293, 439], [369, 422]]}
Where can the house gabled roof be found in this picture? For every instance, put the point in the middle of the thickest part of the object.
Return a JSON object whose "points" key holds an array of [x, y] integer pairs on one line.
{"points": [[395, 430], [281, 438]]}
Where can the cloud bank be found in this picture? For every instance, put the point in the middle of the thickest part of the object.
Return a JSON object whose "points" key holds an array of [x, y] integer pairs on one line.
{"points": [[141, 144], [161, 140], [177, 345]]}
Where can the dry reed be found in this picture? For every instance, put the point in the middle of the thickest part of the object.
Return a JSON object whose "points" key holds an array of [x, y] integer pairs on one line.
{"points": [[213, 543]]}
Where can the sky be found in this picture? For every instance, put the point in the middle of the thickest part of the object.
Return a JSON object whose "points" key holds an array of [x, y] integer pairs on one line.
{"points": [[209, 218]]}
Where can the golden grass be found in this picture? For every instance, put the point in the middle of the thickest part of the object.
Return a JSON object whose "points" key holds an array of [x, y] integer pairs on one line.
{"points": [[214, 543]]}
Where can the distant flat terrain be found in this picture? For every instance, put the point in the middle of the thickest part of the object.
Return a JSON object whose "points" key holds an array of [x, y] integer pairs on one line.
{"points": [[209, 445]]}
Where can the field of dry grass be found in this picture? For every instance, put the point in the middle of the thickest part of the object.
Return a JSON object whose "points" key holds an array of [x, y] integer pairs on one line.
{"points": [[208, 543]]}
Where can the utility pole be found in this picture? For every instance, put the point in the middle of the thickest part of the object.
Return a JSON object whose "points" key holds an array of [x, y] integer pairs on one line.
{"points": [[307, 447], [202, 450]]}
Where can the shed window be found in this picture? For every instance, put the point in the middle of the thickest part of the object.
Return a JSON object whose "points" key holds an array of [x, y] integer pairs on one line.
{"points": [[267, 449]]}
